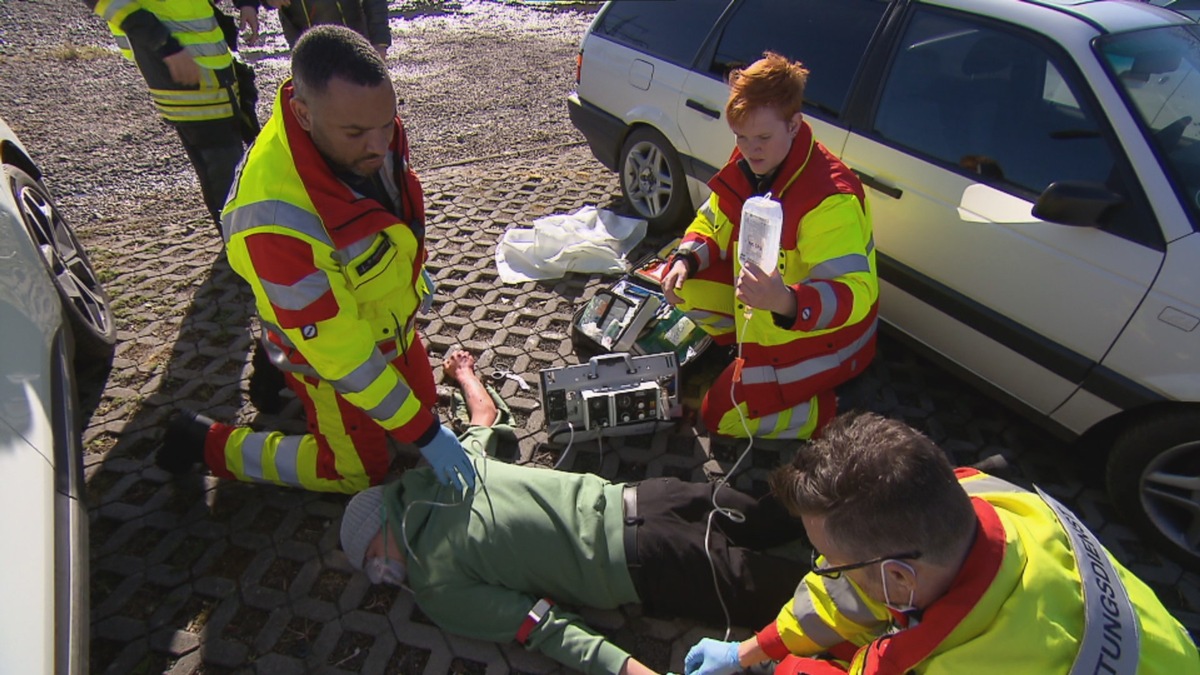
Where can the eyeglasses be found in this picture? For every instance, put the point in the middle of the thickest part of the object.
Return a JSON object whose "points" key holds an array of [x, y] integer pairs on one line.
{"points": [[836, 570]]}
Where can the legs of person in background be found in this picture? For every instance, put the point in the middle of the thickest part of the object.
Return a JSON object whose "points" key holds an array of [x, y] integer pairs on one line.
{"points": [[214, 148]]}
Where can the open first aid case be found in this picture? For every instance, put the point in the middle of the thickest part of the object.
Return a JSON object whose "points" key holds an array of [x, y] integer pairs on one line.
{"points": [[632, 315]]}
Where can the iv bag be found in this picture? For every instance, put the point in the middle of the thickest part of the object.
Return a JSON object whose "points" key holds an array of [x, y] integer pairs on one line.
{"points": [[762, 227]]}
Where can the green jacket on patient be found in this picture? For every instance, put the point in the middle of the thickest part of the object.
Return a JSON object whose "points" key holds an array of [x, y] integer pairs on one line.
{"points": [[479, 566]]}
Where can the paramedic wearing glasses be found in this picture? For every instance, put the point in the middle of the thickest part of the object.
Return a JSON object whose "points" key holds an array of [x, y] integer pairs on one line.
{"points": [[808, 325], [922, 568]]}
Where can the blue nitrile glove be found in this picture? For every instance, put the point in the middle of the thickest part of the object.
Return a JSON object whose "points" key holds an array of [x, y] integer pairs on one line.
{"points": [[450, 462], [712, 657]]}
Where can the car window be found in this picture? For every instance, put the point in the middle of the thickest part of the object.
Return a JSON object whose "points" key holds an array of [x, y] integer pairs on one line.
{"points": [[997, 105], [1159, 70], [669, 29], [830, 38]]}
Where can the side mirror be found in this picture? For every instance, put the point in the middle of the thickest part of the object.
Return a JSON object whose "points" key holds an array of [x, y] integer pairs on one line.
{"points": [[1072, 202]]}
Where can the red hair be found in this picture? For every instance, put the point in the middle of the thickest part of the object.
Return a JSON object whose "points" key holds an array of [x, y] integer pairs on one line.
{"points": [[770, 82]]}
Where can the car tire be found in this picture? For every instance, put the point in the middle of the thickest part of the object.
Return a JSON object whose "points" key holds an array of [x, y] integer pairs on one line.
{"points": [[653, 182], [1154, 481], [85, 304]]}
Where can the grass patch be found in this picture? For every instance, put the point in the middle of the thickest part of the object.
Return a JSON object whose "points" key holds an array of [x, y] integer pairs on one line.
{"points": [[71, 52]]}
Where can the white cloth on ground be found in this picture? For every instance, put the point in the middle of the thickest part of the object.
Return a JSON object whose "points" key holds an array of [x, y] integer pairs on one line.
{"points": [[588, 241]]}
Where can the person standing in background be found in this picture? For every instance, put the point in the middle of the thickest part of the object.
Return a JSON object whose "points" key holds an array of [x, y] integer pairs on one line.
{"points": [[189, 68], [368, 18]]}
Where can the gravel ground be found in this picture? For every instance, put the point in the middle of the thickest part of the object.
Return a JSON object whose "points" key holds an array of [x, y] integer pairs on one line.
{"points": [[477, 79]]}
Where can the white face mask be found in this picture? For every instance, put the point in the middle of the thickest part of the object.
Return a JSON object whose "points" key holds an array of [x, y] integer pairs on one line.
{"points": [[887, 600], [385, 571]]}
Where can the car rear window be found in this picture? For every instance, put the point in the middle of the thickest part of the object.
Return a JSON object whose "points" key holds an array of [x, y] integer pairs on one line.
{"points": [[830, 38], [669, 29]]}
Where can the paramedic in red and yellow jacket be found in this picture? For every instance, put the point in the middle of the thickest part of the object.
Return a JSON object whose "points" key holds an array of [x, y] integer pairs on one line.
{"points": [[326, 223], [808, 325], [919, 568]]}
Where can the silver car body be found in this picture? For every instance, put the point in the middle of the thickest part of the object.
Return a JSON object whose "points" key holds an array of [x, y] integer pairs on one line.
{"points": [[43, 520]]}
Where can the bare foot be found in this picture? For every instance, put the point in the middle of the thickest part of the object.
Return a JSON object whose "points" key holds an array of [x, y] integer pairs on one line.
{"points": [[459, 367]]}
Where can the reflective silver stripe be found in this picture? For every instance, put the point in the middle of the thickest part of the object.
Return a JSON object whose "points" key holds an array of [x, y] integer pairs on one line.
{"points": [[758, 375], [389, 350], [362, 376], [193, 96], [113, 8], [850, 605], [123, 42], [275, 212], [299, 295], [871, 245], [829, 303], [347, 253], [201, 25], [700, 250], [1110, 627], [797, 421], [277, 355], [287, 460], [766, 424], [252, 452], [207, 49], [842, 265], [814, 627], [216, 111], [989, 483], [805, 369], [391, 403], [711, 319], [810, 367]]}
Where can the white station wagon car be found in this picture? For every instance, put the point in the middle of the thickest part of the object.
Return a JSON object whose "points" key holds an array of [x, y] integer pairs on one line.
{"points": [[54, 315], [1033, 168]]}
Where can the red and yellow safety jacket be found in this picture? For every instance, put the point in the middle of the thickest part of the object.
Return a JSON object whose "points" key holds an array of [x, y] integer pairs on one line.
{"points": [[336, 276], [826, 256], [1016, 606]]}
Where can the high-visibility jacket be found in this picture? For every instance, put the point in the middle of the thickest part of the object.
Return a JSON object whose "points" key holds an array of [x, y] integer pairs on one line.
{"points": [[337, 278], [1016, 606], [194, 25], [826, 257]]}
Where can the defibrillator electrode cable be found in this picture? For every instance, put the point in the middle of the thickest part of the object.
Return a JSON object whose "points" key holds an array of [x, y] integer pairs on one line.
{"points": [[481, 480], [567, 450]]}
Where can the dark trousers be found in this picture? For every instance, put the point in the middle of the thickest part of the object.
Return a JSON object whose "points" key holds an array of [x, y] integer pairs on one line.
{"points": [[672, 574], [214, 148]]}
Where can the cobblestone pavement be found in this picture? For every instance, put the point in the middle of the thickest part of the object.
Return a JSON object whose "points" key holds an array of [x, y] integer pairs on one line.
{"points": [[204, 576]]}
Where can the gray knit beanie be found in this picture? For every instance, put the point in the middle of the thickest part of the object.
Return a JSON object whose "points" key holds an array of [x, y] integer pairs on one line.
{"points": [[360, 523]]}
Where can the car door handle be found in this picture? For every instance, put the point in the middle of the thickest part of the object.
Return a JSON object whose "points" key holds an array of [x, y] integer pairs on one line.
{"points": [[871, 181], [703, 109]]}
